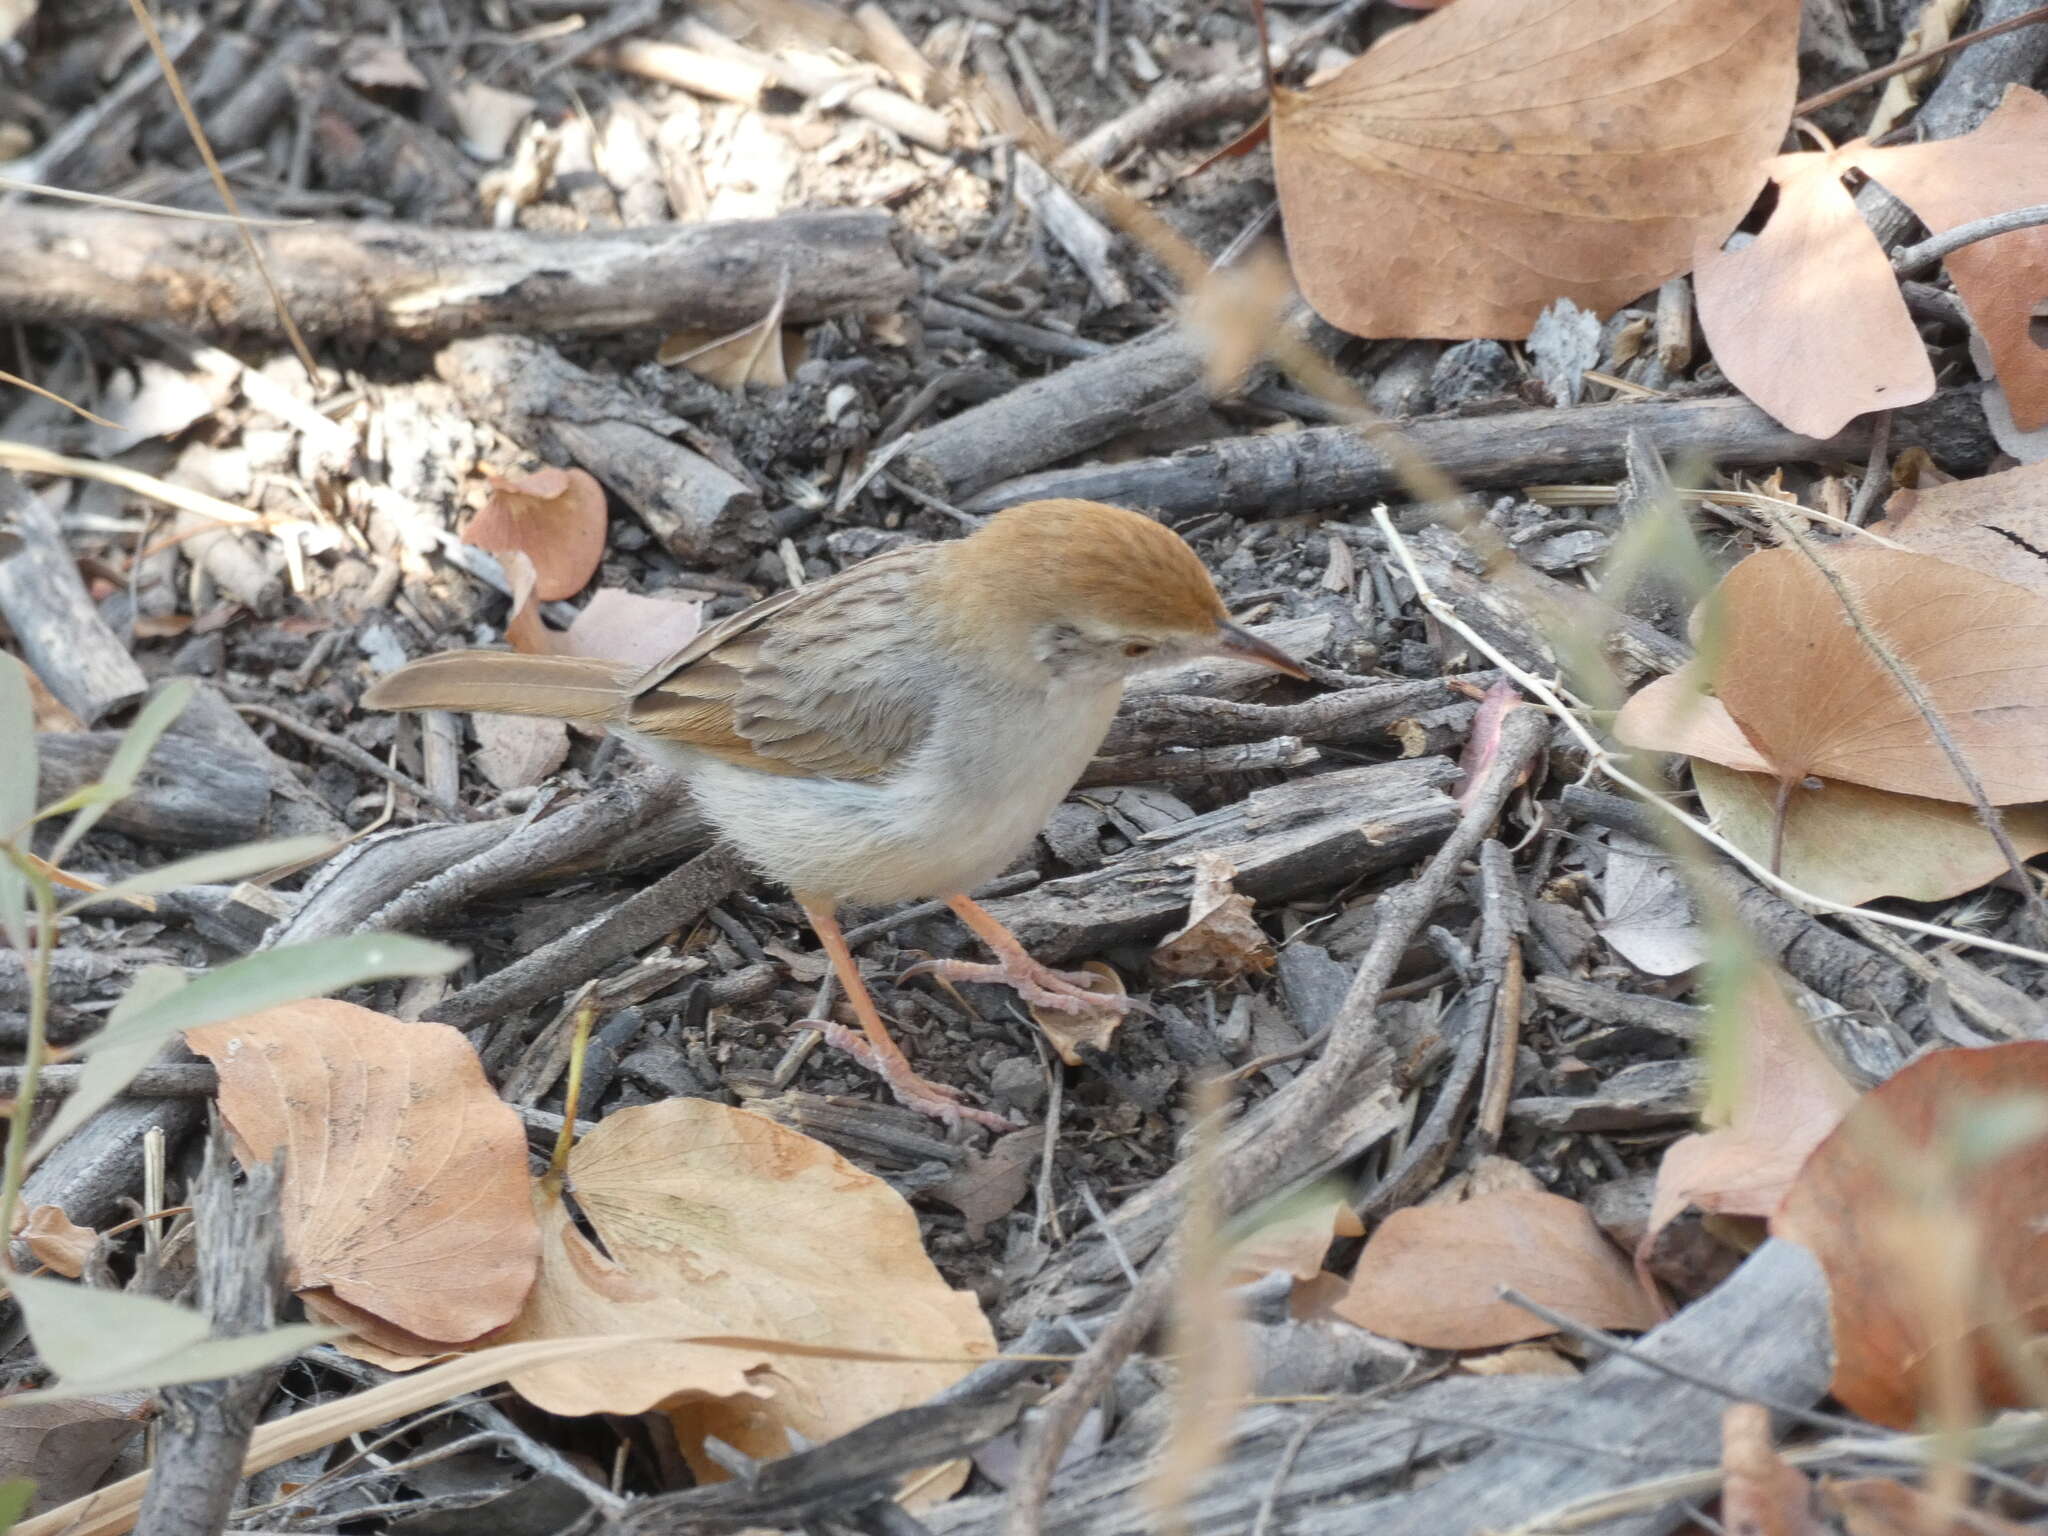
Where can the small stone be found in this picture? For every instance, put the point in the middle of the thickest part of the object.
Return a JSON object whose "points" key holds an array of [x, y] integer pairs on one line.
{"points": [[1017, 1084]]}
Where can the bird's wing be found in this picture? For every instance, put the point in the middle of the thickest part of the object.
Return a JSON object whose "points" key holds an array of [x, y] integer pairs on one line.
{"points": [[801, 683]]}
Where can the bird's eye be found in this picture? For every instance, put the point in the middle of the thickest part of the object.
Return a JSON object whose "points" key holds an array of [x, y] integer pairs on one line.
{"points": [[1137, 648]]}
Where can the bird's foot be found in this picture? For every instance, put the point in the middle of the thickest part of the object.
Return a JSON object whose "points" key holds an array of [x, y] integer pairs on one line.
{"points": [[912, 1091], [1041, 985]]}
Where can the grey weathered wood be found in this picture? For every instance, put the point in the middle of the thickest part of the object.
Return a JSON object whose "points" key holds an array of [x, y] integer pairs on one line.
{"points": [[205, 1426], [1331, 466], [95, 1170], [1307, 834], [422, 283], [1763, 1334], [530, 391], [1641, 1096], [44, 602], [189, 798], [1148, 383]]}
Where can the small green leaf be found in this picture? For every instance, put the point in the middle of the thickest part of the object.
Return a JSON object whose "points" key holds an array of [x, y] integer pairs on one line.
{"points": [[108, 1341], [16, 1494], [276, 977], [17, 795], [212, 868], [125, 767], [110, 1069]]}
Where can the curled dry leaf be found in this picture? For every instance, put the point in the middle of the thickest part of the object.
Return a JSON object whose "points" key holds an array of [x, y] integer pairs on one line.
{"points": [[765, 353], [514, 751], [1997, 524], [1810, 698], [58, 1241], [1999, 166], [1852, 844], [1496, 155], [1432, 1274], [1650, 920], [1295, 1239], [1786, 1096], [556, 517], [1855, 347], [1095, 1029], [1883, 1506], [1923, 1208], [989, 1185], [67, 1447], [1221, 939], [715, 1221], [625, 626], [1761, 1493], [405, 1190]]}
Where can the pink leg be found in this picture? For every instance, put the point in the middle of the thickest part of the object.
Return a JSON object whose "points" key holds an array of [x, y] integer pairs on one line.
{"points": [[1067, 991]]}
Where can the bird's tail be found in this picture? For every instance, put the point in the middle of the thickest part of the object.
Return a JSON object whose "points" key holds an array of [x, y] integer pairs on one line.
{"points": [[578, 688]]}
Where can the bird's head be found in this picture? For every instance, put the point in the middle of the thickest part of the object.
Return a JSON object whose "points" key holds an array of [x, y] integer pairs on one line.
{"points": [[1090, 592]]}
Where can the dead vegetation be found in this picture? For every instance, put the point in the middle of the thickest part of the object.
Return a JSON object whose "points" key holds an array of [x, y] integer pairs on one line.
{"points": [[1629, 929]]}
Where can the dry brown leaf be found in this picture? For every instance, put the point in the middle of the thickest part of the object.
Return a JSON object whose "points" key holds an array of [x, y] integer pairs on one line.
{"points": [[405, 1184], [58, 1241], [1786, 1098], [51, 713], [1814, 699], [991, 1184], [1999, 166], [1095, 1029], [67, 1447], [1997, 524], [625, 626], [1432, 1274], [1295, 1241], [1924, 1210], [1675, 714], [1761, 1494], [1935, 25], [1883, 1506], [1519, 1360], [1221, 939], [1854, 348], [1475, 166], [765, 354], [716, 1221], [516, 751], [556, 517], [1852, 844]]}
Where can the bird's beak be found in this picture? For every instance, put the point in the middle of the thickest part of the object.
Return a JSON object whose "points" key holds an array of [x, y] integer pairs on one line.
{"points": [[1243, 644]]}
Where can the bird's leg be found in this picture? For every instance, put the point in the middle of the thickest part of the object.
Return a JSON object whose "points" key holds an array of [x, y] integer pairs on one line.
{"points": [[1067, 991], [879, 1052]]}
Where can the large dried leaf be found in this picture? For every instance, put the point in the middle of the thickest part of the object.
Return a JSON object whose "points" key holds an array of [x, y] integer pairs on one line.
{"points": [[715, 1221], [1785, 1097], [1675, 713], [555, 517], [1852, 844], [1761, 1493], [1814, 699], [1924, 1209], [2000, 166], [1997, 524], [616, 625], [1432, 1274], [1853, 347], [67, 1447], [1500, 154], [405, 1190], [1883, 1506], [1649, 916]]}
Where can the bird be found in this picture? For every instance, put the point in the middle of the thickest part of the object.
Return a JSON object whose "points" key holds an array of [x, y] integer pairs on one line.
{"points": [[898, 731]]}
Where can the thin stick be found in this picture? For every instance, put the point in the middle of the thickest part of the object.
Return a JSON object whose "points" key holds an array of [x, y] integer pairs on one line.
{"points": [[36, 389], [358, 759], [1600, 759], [579, 1047], [128, 204], [220, 181], [1884, 72], [1915, 257], [32, 460]]}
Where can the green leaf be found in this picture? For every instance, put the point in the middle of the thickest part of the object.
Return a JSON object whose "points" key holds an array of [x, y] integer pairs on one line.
{"points": [[125, 767], [212, 868], [17, 795], [109, 1070], [276, 977], [108, 1341], [16, 1494]]}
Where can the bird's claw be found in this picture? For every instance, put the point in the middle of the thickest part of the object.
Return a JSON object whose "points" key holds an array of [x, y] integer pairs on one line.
{"points": [[938, 1100], [1040, 985]]}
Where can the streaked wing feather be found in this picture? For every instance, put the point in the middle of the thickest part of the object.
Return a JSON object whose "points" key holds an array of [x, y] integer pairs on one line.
{"points": [[801, 683]]}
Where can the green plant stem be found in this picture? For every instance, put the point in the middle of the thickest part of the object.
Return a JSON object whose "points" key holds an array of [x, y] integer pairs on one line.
{"points": [[572, 1094], [15, 1170]]}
